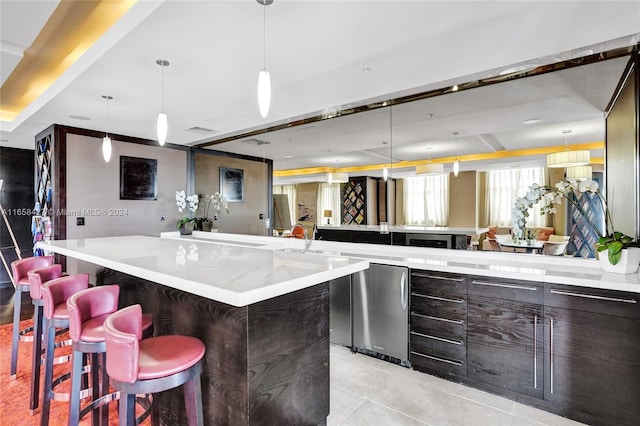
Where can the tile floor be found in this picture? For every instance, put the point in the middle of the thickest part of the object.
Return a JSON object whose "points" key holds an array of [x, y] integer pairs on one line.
{"points": [[368, 391]]}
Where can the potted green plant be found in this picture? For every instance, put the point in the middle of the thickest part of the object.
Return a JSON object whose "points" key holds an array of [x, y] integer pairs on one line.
{"points": [[621, 249], [216, 202], [186, 223]]}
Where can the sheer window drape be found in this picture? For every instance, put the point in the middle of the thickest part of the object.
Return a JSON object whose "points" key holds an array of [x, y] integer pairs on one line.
{"points": [[290, 191], [329, 198], [504, 186], [426, 200]]}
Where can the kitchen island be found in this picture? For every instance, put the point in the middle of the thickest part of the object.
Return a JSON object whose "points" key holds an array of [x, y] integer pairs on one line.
{"points": [[262, 314]]}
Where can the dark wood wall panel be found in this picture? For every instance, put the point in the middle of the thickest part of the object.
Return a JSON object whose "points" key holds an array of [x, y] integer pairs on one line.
{"points": [[16, 168]]}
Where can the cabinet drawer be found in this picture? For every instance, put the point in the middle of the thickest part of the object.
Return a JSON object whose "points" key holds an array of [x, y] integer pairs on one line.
{"points": [[442, 327], [610, 302], [452, 307], [430, 361], [507, 289], [434, 343], [429, 282]]}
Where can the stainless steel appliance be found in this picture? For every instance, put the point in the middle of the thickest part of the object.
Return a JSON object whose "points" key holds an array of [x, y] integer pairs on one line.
{"points": [[380, 310], [340, 311]]}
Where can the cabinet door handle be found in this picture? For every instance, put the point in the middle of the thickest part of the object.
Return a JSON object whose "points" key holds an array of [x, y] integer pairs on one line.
{"points": [[592, 296], [438, 277], [535, 352], [441, 339], [443, 299], [551, 356], [438, 318], [435, 358], [403, 292], [517, 287]]}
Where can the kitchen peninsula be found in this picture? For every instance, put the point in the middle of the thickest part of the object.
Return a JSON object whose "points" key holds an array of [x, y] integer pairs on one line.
{"points": [[406, 235], [262, 314]]}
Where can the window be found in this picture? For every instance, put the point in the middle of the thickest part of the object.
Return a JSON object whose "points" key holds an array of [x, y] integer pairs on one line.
{"points": [[426, 200], [290, 190], [504, 186], [329, 198]]}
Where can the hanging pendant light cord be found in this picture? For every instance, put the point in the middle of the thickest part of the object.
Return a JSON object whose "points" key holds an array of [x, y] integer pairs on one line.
{"points": [[107, 113], [162, 91], [264, 37]]}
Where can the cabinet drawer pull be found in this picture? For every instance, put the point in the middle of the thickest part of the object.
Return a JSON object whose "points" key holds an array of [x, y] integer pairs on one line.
{"points": [[435, 358], [438, 318], [518, 287], [535, 352], [592, 296], [443, 299], [442, 339], [551, 355], [438, 277]]}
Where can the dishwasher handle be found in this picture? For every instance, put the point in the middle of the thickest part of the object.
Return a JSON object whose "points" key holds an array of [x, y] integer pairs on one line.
{"points": [[404, 291]]}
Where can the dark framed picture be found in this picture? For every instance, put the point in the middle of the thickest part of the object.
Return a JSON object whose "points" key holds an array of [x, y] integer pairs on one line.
{"points": [[232, 184], [138, 178]]}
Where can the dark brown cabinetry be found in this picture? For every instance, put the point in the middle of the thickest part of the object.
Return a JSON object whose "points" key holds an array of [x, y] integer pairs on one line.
{"points": [[505, 334], [592, 358], [438, 323]]}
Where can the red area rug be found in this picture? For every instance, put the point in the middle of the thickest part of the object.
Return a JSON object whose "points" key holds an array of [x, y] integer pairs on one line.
{"points": [[14, 394]]}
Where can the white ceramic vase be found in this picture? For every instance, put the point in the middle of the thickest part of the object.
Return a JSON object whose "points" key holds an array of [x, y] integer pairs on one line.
{"points": [[628, 263]]}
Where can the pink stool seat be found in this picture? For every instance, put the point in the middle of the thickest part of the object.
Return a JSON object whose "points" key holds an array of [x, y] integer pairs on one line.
{"points": [[159, 357], [93, 329]]}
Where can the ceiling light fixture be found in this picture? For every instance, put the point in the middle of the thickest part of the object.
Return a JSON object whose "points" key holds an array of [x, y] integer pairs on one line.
{"points": [[568, 158], [264, 79], [106, 140], [162, 125], [531, 121], [429, 168], [579, 172], [456, 163], [337, 176]]}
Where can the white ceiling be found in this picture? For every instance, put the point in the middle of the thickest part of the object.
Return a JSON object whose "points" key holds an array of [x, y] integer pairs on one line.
{"points": [[316, 52]]}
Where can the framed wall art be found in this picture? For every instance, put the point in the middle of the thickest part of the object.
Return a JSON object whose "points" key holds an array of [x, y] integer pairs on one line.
{"points": [[138, 178], [232, 184]]}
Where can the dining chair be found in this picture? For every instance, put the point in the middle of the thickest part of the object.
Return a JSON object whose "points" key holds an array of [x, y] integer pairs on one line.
{"points": [[553, 248], [495, 245]]}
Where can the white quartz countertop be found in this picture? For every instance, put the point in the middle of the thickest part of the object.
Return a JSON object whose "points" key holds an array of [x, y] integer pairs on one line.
{"points": [[442, 230], [521, 266], [235, 272]]}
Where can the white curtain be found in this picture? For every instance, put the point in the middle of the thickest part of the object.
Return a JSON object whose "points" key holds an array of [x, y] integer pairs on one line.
{"points": [[329, 198], [290, 191], [504, 186], [426, 200]]}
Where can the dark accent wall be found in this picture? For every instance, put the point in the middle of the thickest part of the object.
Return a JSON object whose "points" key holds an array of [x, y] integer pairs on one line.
{"points": [[16, 197]]}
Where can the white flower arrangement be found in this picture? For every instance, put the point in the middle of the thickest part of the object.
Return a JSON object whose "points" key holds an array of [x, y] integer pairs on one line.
{"points": [[181, 201], [551, 195], [216, 201]]}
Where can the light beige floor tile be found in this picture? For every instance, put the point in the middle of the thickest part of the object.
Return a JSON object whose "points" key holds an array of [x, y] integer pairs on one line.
{"points": [[340, 350], [415, 398], [378, 363], [343, 403], [541, 416], [523, 421], [482, 397], [357, 378], [372, 414], [336, 360], [457, 411]]}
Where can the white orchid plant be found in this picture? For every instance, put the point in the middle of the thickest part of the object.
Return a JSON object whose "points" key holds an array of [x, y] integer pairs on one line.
{"points": [[216, 201], [181, 201], [549, 196]]}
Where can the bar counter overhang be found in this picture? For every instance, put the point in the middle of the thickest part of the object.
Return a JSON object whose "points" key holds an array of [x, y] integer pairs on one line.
{"points": [[263, 316]]}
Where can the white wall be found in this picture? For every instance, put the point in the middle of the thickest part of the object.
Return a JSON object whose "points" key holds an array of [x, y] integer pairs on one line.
{"points": [[94, 184]]}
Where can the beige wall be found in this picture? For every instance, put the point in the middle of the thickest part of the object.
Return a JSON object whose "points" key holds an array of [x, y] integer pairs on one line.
{"points": [[463, 200], [94, 185], [243, 217]]}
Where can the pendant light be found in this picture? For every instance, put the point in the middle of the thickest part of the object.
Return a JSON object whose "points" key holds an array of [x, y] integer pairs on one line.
{"points": [[337, 176], [264, 79], [106, 140], [568, 158], [162, 125], [385, 170], [456, 163], [429, 168]]}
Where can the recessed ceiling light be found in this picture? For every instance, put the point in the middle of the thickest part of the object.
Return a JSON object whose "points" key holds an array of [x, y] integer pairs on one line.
{"points": [[287, 156], [531, 121], [79, 117], [366, 69]]}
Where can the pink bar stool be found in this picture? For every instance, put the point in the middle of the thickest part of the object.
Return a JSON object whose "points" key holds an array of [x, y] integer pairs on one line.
{"points": [[88, 310], [37, 277], [19, 270], [54, 295], [152, 365]]}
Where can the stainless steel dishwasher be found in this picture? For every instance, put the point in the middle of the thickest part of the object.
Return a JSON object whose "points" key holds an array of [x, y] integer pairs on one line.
{"points": [[380, 311]]}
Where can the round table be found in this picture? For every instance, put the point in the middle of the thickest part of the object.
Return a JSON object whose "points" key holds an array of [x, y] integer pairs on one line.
{"points": [[534, 246]]}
